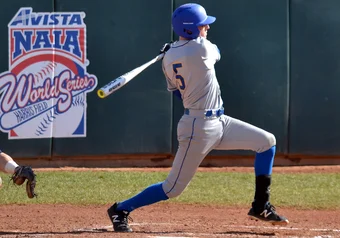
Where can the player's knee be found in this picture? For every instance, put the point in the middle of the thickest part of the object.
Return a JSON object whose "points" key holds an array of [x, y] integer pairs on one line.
{"points": [[271, 140], [175, 193], [173, 189], [268, 142]]}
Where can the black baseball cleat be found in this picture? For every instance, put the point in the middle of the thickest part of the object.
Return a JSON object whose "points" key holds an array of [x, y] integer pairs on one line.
{"points": [[268, 214], [119, 219]]}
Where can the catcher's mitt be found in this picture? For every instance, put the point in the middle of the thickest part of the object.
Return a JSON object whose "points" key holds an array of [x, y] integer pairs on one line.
{"points": [[22, 173]]}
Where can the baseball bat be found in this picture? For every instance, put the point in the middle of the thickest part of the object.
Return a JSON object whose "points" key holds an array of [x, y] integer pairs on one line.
{"points": [[119, 82]]}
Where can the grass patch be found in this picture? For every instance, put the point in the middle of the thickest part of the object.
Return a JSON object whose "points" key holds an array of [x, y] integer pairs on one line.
{"points": [[305, 191]]}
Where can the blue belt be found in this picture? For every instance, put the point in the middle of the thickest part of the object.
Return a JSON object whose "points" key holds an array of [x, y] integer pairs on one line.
{"points": [[204, 113]]}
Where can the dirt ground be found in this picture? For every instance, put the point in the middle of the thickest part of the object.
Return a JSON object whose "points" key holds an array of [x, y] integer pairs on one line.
{"points": [[168, 220]]}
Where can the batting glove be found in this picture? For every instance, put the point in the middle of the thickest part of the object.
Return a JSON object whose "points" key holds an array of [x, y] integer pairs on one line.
{"points": [[165, 48]]}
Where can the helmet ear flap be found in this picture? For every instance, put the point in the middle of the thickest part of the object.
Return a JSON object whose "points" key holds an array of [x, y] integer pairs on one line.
{"points": [[188, 32], [191, 31]]}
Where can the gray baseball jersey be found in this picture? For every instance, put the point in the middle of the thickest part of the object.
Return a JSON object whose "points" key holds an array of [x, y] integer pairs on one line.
{"points": [[189, 67]]}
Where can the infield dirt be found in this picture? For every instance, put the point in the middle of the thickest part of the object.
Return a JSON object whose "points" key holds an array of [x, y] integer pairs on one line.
{"points": [[166, 219]]}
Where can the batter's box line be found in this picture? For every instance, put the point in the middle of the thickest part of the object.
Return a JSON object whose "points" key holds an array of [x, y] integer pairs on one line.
{"points": [[16, 234], [285, 228], [183, 234], [231, 226], [186, 234], [109, 228]]}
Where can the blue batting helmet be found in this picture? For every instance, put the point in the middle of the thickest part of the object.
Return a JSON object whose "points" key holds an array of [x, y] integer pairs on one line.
{"points": [[186, 19]]}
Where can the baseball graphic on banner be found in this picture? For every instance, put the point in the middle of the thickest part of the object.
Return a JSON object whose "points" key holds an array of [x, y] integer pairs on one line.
{"points": [[44, 91]]}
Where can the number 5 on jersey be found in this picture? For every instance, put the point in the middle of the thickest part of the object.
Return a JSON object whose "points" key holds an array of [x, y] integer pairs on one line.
{"points": [[179, 77]]}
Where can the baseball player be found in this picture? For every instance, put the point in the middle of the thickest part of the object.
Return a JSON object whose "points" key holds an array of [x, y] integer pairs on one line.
{"points": [[19, 173], [188, 65]]}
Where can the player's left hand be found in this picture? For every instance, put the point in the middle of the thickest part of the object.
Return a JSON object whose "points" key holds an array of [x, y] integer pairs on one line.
{"points": [[20, 175], [165, 48]]}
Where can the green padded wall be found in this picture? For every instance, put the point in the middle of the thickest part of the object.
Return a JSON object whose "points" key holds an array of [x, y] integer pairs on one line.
{"points": [[315, 78], [122, 35]]}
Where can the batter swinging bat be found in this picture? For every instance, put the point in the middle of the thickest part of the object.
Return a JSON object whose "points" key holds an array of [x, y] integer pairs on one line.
{"points": [[119, 82]]}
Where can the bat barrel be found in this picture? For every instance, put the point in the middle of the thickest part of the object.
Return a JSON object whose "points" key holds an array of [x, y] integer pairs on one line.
{"points": [[125, 78], [101, 93], [112, 86]]}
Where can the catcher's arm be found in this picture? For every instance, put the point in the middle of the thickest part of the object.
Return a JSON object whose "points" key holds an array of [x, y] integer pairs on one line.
{"points": [[20, 175]]}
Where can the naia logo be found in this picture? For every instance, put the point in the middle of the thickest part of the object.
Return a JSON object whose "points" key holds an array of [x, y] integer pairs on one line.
{"points": [[43, 93]]}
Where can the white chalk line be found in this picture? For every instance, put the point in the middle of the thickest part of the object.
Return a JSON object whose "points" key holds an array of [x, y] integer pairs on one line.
{"points": [[190, 234], [284, 228], [15, 233], [24, 234], [238, 227]]}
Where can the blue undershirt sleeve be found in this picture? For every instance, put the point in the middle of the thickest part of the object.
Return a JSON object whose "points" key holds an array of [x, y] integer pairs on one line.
{"points": [[177, 93]]}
